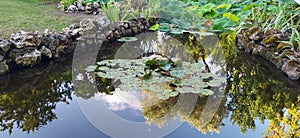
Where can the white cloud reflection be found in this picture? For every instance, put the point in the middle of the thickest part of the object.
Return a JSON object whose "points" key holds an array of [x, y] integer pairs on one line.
{"points": [[120, 100]]}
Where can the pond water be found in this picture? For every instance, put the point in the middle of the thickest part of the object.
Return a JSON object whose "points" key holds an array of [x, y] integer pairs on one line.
{"points": [[61, 99]]}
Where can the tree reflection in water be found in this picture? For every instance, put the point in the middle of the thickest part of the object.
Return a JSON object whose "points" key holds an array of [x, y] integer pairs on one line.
{"points": [[29, 98], [255, 90]]}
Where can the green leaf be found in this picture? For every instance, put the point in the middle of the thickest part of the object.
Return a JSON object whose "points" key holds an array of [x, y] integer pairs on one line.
{"points": [[220, 10], [91, 68], [154, 27], [208, 7], [176, 31], [207, 92], [177, 73], [172, 94], [127, 39], [164, 28], [231, 16], [248, 7]]}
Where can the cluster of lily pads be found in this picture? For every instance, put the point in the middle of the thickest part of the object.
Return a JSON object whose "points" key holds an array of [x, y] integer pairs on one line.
{"points": [[161, 76]]}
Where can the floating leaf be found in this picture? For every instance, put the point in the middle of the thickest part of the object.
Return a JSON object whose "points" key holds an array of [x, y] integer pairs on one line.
{"points": [[206, 75], [207, 92], [176, 31], [154, 27], [127, 39], [90, 68], [103, 68], [164, 28], [177, 73], [172, 94]]}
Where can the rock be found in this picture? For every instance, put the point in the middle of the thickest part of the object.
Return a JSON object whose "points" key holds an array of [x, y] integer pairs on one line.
{"points": [[5, 45], [19, 52], [77, 32], [87, 24], [60, 49], [116, 34], [28, 41], [126, 25], [53, 43], [73, 26], [29, 59], [45, 41], [135, 29], [72, 8], [25, 39], [61, 37], [46, 52], [2, 55], [292, 69], [3, 68]]}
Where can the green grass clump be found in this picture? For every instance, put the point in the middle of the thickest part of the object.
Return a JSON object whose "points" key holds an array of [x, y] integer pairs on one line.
{"points": [[31, 15]]}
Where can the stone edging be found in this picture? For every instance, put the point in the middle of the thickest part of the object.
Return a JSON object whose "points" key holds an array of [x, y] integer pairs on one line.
{"points": [[26, 49], [269, 47]]}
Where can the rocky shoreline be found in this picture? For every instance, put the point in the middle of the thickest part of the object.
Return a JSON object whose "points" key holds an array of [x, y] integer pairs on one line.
{"points": [[270, 45], [26, 49]]}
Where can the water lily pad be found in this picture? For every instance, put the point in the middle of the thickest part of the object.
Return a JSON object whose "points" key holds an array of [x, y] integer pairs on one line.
{"points": [[154, 27], [91, 68], [207, 92], [176, 31], [164, 28], [183, 77], [103, 68], [127, 39], [177, 73]]}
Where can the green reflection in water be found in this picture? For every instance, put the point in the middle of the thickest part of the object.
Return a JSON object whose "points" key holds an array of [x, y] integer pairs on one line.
{"points": [[28, 99], [258, 90], [255, 90]]}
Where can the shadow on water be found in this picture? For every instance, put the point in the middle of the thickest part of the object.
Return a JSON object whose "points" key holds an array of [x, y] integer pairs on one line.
{"points": [[255, 89]]}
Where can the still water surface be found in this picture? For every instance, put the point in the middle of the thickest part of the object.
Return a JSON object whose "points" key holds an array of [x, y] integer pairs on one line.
{"points": [[40, 102]]}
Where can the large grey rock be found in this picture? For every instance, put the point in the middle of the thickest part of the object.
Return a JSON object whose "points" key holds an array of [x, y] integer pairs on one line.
{"points": [[29, 59], [5, 45], [3, 68]]}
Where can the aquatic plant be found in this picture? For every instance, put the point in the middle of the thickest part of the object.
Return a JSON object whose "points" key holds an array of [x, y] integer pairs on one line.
{"points": [[127, 39], [164, 77]]}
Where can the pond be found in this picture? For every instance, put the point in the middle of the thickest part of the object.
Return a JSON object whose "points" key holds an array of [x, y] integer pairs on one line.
{"points": [[190, 85]]}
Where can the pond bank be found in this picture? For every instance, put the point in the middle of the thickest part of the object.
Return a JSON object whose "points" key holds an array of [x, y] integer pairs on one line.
{"points": [[270, 45], [26, 49]]}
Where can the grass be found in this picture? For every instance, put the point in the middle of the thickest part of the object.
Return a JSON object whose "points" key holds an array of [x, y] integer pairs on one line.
{"points": [[32, 15]]}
